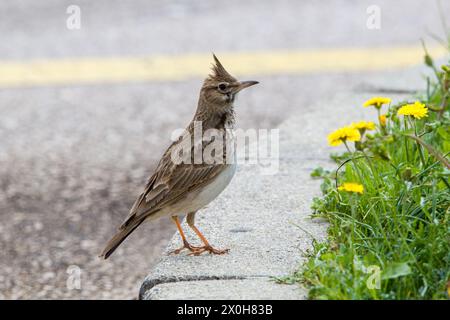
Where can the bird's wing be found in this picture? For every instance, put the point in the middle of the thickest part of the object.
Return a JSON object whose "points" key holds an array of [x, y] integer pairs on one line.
{"points": [[168, 184], [173, 187]]}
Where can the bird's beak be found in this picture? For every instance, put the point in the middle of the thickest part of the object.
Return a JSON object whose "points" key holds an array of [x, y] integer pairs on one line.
{"points": [[245, 84]]}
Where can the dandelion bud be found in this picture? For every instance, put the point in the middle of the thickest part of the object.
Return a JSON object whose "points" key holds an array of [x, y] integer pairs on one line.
{"points": [[389, 139], [406, 175], [428, 60], [359, 146], [429, 127]]}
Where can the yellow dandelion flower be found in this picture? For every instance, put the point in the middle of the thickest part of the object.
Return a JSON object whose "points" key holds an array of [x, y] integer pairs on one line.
{"points": [[377, 102], [363, 125], [343, 134], [382, 119], [416, 109], [352, 187]]}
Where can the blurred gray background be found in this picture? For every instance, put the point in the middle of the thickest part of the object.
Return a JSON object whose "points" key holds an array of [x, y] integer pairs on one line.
{"points": [[73, 158]]}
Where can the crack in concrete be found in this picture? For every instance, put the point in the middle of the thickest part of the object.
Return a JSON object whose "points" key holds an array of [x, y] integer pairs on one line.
{"points": [[153, 282], [365, 88]]}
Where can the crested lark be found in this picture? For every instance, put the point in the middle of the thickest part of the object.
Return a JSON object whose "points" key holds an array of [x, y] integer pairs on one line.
{"points": [[184, 188]]}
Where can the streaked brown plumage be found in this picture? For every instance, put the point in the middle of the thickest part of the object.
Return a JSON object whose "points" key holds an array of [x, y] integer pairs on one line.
{"points": [[176, 189]]}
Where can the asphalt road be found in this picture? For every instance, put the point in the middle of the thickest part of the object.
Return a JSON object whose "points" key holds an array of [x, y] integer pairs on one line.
{"points": [[73, 158], [36, 29]]}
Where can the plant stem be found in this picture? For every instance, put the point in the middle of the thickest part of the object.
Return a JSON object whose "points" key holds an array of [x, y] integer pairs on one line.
{"points": [[354, 163], [431, 150], [406, 141], [419, 147], [374, 175], [348, 149], [379, 120]]}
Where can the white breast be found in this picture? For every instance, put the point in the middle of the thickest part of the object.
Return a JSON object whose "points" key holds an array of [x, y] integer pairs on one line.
{"points": [[197, 200], [212, 190]]}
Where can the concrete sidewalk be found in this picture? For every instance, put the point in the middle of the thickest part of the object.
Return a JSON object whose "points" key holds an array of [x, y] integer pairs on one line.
{"points": [[265, 219]]}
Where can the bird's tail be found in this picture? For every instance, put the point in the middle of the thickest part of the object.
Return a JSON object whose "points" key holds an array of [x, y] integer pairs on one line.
{"points": [[118, 238]]}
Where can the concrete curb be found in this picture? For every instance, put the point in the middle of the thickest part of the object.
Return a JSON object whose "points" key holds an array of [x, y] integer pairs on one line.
{"points": [[265, 219]]}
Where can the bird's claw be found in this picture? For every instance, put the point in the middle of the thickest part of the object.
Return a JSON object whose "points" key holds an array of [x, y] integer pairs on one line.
{"points": [[186, 246], [199, 250]]}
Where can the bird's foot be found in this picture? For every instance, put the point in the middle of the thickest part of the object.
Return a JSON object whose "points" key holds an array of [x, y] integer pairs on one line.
{"points": [[199, 250], [186, 246]]}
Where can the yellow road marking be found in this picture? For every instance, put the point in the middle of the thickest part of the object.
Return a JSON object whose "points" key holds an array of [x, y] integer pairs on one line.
{"points": [[161, 68]]}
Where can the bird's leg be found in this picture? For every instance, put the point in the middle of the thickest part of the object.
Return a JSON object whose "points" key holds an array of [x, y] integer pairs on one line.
{"points": [[186, 244], [207, 247]]}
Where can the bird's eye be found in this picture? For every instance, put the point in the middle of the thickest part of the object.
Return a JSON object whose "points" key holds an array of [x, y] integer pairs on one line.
{"points": [[222, 87]]}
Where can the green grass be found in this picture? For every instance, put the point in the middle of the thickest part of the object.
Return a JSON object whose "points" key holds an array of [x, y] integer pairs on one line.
{"points": [[395, 236]]}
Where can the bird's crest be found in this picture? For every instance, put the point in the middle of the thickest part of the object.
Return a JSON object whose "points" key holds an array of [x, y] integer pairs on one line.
{"points": [[219, 72]]}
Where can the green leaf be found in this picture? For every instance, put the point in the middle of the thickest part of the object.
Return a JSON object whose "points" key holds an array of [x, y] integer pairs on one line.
{"points": [[444, 133], [395, 270], [318, 172]]}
